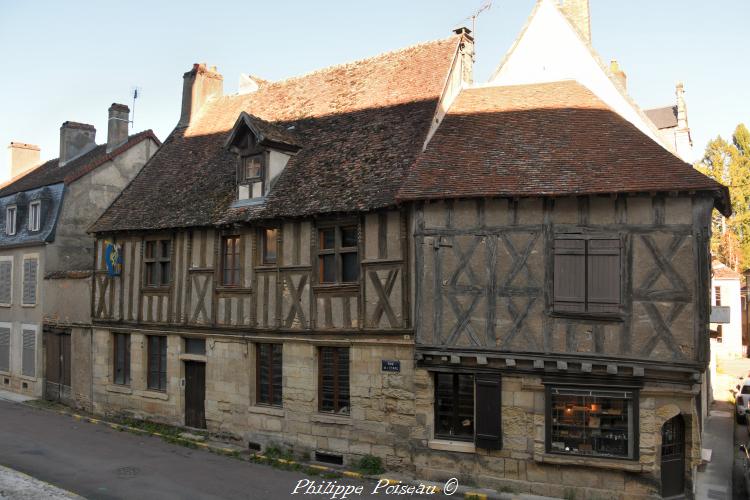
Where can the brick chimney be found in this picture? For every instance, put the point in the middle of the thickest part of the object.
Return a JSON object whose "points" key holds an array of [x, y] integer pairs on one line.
{"points": [[579, 14], [199, 84], [75, 140], [117, 126], [618, 74], [23, 157]]}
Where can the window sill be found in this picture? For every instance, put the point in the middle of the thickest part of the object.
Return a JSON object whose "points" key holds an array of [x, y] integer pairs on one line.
{"points": [[602, 463], [324, 418], [152, 394], [233, 289], [6, 305], [273, 411], [336, 287], [266, 267], [156, 289], [457, 446], [615, 318], [7, 374], [119, 389], [193, 357], [28, 377], [28, 305]]}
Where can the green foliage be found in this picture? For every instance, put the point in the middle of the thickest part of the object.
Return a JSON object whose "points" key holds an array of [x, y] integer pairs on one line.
{"points": [[370, 465], [729, 163]]}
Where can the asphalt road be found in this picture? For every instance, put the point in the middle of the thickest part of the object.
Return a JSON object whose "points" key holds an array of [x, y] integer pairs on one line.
{"points": [[98, 462]]}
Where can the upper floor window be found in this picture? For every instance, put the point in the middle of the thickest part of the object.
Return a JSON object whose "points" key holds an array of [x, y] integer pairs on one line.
{"points": [[10, 220], [156, 258], [230, 257], [268, 237], [35, 215], [250, 176], [6, 281], [338, 256], [587, 275], [30, 271], [717, 295]]}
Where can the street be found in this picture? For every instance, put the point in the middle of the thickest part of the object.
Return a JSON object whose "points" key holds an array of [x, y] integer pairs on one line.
{"points": [[98, 462]]}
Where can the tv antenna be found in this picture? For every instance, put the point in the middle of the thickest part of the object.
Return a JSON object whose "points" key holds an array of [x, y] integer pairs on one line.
{"points": [[484, 6], [135, 92]]}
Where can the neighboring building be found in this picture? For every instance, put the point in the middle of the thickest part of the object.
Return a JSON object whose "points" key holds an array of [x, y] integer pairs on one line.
{"points": [[504, 283], [672, 122], [726, 285], [46, 255]]}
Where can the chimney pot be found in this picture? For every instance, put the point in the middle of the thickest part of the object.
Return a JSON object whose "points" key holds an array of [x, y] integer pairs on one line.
{"points": [[117, 126], [23, 157], [199, 84], [463, 30], [75, 140], [618, 74]]}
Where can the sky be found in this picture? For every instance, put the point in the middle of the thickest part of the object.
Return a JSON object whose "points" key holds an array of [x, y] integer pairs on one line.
{"points": [[70, 60]]}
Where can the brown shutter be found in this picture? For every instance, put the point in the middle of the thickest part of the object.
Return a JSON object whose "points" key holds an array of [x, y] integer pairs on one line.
{"points": [[570, 275], [488, 412], [604, 276]]}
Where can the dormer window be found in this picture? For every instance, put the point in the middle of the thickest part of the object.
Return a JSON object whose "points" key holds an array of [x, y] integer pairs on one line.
{"points": [[10, 220], [35, 215], [250, 176]]}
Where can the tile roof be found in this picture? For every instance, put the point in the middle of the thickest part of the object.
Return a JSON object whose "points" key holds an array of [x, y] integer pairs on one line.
{"points": [[361, 125], [721, 271], [50, 173], [665, 117], [544, 139]]}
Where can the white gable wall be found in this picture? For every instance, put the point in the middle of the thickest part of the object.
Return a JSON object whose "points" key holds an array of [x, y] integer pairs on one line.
{"points": [[550, 49]]}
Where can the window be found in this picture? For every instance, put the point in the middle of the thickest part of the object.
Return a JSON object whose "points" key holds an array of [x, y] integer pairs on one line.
{"points": [[591, 422], [719, 334], [28, 356], [195, 346], [268, 374], [30, 266], [6, 281], [252, 168], [586, 275], [454, 406], [717, 295], [337, 255], [35, 215], [333, 380], [5, 347], [268, 239], [10, 221], [157, 261], [157, 363], [230, 246], [122, 358]]}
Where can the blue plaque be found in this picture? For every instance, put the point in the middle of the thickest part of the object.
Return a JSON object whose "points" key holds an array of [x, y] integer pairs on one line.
{"points": [[391, 365]]}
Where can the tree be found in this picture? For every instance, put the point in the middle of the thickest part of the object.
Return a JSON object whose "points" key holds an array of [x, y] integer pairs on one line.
{"points": [[729, 163]]}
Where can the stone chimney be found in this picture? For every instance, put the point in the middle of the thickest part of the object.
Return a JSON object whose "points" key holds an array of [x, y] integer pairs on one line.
{"points": [[579, 14], [23, 157], [199, 84], [618, 74], [117, 126], [467, 54], [75, 140], [682, 122]]}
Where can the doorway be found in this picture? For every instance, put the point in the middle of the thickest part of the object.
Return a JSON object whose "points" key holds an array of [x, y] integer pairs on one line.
{"points": [[673, 457], [57, 366], [195, 394]]}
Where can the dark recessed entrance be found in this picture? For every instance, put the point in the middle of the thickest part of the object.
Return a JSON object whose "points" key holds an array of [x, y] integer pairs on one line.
{"points": [[673, 457], [195, 394]]}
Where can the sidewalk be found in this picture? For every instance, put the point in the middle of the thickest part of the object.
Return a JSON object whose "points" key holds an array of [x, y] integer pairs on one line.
{"points": [[715, 482], [13, 397], [19, 486]]}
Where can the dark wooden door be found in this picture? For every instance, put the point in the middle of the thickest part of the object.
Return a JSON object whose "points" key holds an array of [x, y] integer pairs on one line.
{"points": [[673, 457], [57, 366], [195, 394]]}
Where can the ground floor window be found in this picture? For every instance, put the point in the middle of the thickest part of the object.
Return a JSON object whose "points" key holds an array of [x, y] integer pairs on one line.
{"points": [[157, 362], [122, 358], [333, 380], [454, 406], [600, 423], [268, 375]]}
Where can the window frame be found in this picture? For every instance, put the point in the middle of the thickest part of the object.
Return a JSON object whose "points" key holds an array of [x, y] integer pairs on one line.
{"points": [[29, 257], [35, 224], [11, 222], [157, 260], [236, 261], [161, 368], [633, 422], [263, 239], [271, 373], [337, 383], [456, 417], [587, 238], [242, 178], [338, 251], [717, 296], [11, 260], [126, 361]]}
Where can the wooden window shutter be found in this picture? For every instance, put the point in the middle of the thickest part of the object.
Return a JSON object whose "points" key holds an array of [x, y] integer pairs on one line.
{"points": [[5, 349], [603, 276], [570, 275], [28, 359], [29, 281], [488, 391], [6, 275]]}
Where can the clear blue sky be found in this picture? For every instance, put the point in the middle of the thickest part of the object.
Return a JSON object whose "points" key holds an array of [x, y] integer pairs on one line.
{"points": [[70, 60]]}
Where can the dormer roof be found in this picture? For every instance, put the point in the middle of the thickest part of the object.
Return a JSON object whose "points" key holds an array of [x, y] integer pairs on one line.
{"points": [[266, 133]]}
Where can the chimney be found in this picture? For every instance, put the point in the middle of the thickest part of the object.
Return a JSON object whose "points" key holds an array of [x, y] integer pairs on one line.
{"points": [[467, 54], [578, 13], [23, 157], [618, 74], [75, 140], [117, 126], [199, 84], [682, 122]]}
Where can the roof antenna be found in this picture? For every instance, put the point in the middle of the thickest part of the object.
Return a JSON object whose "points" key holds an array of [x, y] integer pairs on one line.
{"points": [[485, 5], [136, 92]]}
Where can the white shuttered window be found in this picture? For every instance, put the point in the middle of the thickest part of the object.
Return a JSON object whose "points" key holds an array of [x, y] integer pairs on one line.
{"points": [[6, 282], [28, 359], [30, 271], [5, 348]]}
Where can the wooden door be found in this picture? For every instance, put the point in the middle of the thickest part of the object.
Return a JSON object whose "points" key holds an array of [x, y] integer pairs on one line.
{"points": [[57, 366], [673, 457], [195, 394]]}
